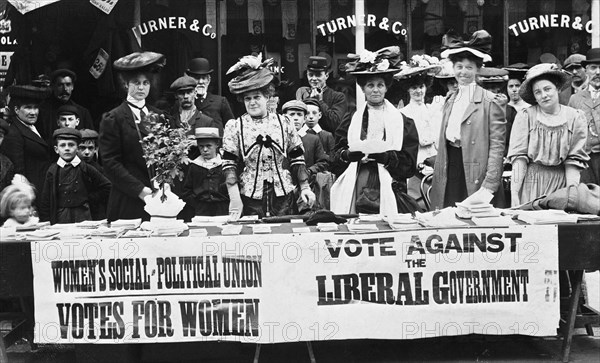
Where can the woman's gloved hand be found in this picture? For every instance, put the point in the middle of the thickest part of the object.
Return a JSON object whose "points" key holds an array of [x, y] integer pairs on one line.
{"points": [[380, 158], [235, 202], [352, 156], [307, 195]]}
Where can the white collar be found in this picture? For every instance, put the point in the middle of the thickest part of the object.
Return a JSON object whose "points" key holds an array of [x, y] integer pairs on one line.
{"points": [[208, 164], [593, 90], [75, 162], [305, 128], [136, 103]]}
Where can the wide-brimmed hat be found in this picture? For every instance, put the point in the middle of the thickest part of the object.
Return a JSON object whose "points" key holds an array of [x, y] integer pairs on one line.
{"points": [[251, 74], [381, 61], [294, 105], [544, 69], [517, 70], [574, 60], [198, 67], [419, 64], [480, 44], [68, 110], [27, 92], [149, 61], [492, 75], [592, 56], [184, 83], [63, 72], [207, 133], [446, 71]]}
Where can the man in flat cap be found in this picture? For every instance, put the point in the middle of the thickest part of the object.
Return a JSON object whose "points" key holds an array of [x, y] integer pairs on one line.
{"points": [[588, 100], [212, 105], [333, 104], [62, 84], [185, 111], [578, 79], [23, 145]]}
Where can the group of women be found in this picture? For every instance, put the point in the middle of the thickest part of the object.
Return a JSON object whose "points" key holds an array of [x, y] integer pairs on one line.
{"points": [[378, 147]]}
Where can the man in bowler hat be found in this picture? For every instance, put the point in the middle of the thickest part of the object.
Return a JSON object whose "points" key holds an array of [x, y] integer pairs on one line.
{"points": [[332, 104], [588, 100], [62, 84], [212, 105]]}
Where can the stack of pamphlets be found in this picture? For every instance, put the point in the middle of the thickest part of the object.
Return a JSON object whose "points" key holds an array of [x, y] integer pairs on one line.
{"points": [[327, 227], [401, 221], [479, 210], [165, 228], [126, 223], [550, 216]]}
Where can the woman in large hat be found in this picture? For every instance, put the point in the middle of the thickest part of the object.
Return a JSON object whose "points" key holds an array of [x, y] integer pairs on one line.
{"points": [[264, 146], [547, 143], [471, 142], [376, 146], [27, 150], [121, 130]]}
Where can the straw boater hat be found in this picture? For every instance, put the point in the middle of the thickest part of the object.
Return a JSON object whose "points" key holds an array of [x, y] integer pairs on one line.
{"points": [[550, 70], [207, 133], [145, 61], [419, 65], [480, 44], [251, 73], [382, 61], [492, 75]]}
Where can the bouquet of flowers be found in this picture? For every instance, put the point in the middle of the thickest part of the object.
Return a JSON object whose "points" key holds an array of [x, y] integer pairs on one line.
{"points": [[166, 151], [419, 64]]}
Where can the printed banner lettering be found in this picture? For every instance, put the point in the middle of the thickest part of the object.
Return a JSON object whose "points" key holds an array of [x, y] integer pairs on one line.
{"points": [[300, 287]]}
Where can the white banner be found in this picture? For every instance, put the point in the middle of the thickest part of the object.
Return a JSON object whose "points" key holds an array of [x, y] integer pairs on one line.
{"points": [[300, 287], [25, 6]]}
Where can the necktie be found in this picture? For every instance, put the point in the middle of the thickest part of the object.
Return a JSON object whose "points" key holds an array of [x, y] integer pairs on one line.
{"points": [[142, 115], [311, 131]]}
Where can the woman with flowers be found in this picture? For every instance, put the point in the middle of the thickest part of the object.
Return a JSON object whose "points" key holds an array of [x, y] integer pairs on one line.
{"points": [[121, 131], [263, 146], [376, 146], [471, 141]]}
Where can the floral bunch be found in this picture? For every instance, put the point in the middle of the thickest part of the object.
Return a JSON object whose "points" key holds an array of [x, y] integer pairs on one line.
{"points": [[165, 151], [378, 61], [249, 63], [419, 64]]}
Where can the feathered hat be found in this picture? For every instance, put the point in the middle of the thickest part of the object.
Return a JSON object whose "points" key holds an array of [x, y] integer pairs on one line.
{"points": [[251, 73]]}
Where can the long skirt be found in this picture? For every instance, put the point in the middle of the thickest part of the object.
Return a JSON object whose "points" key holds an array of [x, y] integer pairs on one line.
{"points": [[541, 180]]}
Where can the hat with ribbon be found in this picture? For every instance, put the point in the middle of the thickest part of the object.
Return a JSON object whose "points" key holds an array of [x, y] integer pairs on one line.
{"points": [[517, 70], [592, 56], [492, 75], [146, 61], [550, 70], [419, 64], [381, 61], [480, 44], [447, 70], [251, 73], [207, 133]]}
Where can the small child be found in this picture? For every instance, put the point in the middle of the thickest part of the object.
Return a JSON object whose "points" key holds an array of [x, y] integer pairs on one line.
{"points": [[16, 206], [313, 115], [88, 148], [72, 187], [67, 116], [204, 186]]}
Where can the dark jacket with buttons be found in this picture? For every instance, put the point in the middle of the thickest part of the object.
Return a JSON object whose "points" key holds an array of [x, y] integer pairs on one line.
{"points": [[95, 190], [216, 107]]}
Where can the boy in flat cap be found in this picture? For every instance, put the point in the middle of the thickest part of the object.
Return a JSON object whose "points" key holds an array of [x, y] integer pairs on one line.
{"points": [[68, 116], [23, 145], [71, 186], [204, 188], [62, 85], [212, 105], [332, 104]]}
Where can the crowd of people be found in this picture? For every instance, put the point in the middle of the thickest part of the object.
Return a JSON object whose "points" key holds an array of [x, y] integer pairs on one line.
{"points": [[465, 123]]}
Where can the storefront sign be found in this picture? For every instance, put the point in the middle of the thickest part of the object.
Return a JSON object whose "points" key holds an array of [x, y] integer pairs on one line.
{"points": [[105, 5], [549, 21], [174, 22], [369, 20], [298, 287]]}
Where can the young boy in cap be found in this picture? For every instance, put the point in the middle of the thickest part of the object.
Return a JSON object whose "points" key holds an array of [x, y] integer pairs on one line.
{"points": [[72, 187], [332, 104], [88, 148], [204, 186], [68, 116], [311, 126]]}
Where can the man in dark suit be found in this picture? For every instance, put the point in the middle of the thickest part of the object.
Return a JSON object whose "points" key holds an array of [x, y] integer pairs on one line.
{"points": [[588, 100], [23, 145], [333, 104], [62, 84], [578, 80], [185, 110], [214, 106]]}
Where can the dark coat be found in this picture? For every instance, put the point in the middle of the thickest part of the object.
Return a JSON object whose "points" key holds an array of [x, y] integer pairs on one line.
{"points": [[7, 172], [216, 107], [314, 156], [29, 153], [97, 189], [205, 191], [328, 141], [198, 120], [333, 107], [46, 123], [124, 163]]}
